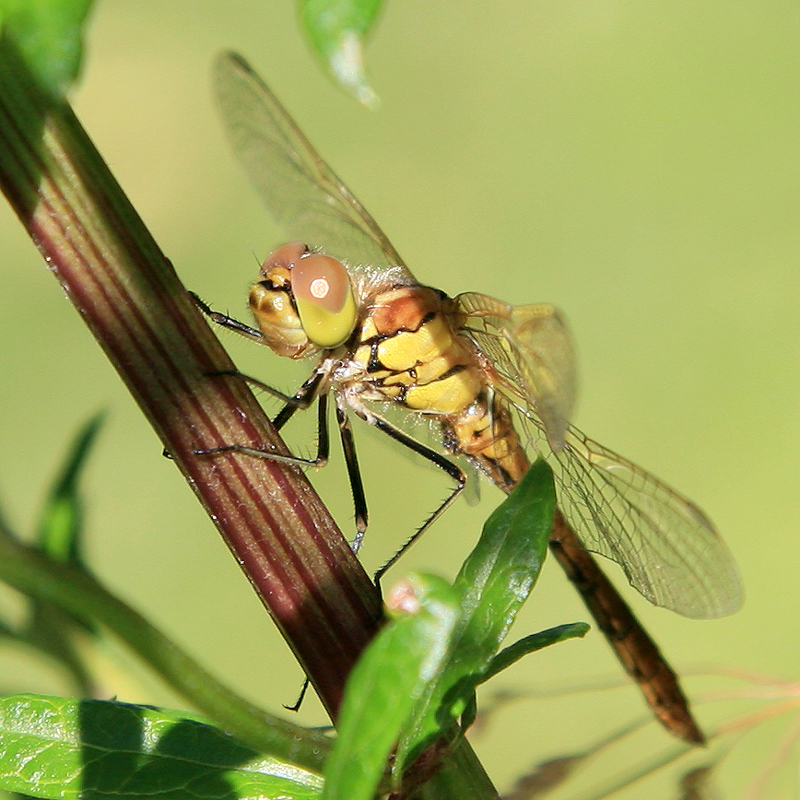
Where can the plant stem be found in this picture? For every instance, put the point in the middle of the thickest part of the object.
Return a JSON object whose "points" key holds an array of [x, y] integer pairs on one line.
{"points": [[130, 297]]}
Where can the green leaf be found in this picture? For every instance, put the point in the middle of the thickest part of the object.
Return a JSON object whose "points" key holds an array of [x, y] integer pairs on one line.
{"points": [[386, 683], [336, 30], [50, 629], [61, 523], [493, 583], [49, 35], [56, 748], [530, 644]]}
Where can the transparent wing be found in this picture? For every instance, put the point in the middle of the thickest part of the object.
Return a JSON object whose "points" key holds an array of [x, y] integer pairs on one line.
{"points": [[667, 548], [300, 190], [532, 348]]}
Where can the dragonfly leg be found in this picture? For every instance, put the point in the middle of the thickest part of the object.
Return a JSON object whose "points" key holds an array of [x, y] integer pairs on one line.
{"points": [[354, 475], [300, 697], [323, 444], [302, 399], [453, 470], [227, 322], [299, 401]]}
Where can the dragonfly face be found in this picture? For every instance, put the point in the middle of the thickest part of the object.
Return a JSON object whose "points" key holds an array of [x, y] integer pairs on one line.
{"points": [[304, 302], [498, 380]]}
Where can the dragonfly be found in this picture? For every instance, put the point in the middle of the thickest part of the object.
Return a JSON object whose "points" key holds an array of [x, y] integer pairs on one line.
{"points": [[495, 381]]}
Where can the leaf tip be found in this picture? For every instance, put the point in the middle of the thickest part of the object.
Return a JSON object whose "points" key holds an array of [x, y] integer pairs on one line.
{"points": [[346, 62]]}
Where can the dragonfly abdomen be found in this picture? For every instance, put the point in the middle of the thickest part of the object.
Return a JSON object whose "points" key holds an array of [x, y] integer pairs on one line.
{"points": [[484, 432]]}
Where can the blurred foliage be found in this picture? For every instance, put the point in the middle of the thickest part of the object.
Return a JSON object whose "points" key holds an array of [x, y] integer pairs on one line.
{"points": [[336, 30], [50, 35]]}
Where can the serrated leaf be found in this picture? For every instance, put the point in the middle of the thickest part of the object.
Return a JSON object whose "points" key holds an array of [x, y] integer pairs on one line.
{"points": [[57, 748], [49, 35], [492, 585], [337, 30], [387, 682]]}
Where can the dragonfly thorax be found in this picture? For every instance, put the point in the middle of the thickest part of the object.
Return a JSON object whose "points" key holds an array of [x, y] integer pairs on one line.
{"points": [[304, 301]]}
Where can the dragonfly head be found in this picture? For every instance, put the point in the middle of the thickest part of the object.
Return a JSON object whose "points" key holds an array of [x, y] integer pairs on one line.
{"points": [[304, 301]]}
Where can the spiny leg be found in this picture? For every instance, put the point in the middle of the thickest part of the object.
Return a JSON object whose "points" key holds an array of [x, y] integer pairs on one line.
{"points": [[301, 399], [227, 322], [300, 697], [354, 476], [453, 470], [356, 487], [323, 444]]}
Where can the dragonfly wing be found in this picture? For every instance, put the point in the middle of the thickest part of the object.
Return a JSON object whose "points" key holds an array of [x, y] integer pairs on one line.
{"points": [[531, 349], [300, 190], [667, 547]]}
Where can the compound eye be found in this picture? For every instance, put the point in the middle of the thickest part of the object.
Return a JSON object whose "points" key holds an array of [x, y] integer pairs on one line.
{"points": [[324, 297], [284, 257]]}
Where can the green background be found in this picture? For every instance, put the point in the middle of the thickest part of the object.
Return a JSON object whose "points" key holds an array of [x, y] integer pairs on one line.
{"points": [[635, 163]]}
